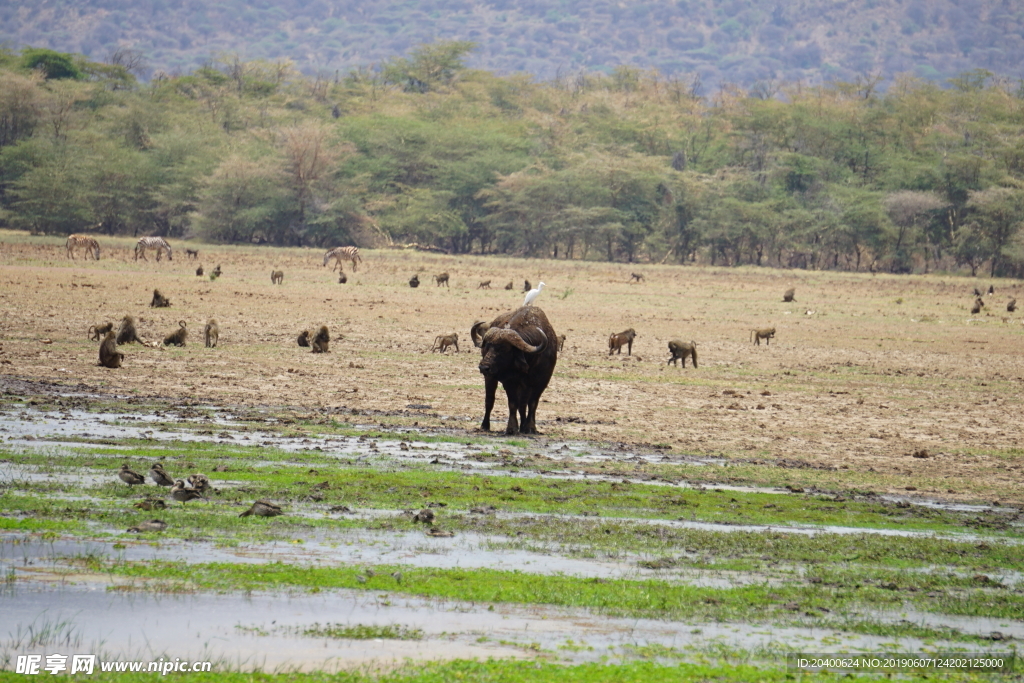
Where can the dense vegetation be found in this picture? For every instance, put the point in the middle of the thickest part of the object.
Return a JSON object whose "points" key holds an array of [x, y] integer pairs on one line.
{"points": [[629, 166], [722, 41]]}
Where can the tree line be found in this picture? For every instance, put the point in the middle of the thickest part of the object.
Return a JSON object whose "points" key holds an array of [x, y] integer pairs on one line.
{"points": [[626, 166]]}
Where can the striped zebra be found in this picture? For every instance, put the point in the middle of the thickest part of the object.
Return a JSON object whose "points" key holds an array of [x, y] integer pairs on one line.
{"points": [[158, 243], [86, 242], [340, 254]]}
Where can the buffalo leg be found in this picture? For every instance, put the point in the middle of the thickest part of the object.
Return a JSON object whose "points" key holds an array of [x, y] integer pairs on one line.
{"points": [[513, 410], [489, 388]]}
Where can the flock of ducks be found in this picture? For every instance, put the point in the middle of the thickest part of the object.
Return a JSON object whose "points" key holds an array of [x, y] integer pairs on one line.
{"points": [[183, 491]]}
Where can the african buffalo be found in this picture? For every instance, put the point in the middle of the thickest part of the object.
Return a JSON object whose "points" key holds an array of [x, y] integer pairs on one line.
{"points": [[520, 351]]}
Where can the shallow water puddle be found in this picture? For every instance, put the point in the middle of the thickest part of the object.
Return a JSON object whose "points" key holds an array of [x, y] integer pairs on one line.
{"points": [[261, 630]]}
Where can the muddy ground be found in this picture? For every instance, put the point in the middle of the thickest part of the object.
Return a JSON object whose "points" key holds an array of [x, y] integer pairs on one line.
{"points": [[865, 369]]}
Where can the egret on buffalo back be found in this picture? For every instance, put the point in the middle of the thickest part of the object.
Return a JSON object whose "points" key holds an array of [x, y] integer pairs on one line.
{"points": [[533, 294]]}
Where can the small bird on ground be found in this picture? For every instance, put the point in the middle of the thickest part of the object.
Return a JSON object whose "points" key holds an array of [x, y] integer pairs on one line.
{"points": [[159, 476], [263, 508], [199, 482], [130, 477], [150, 526], [182, 493], [151, 504], [533, 294]]}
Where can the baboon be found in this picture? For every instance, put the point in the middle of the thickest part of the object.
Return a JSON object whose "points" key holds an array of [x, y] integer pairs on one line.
{"points": [[991, 289], [321, 341], [639, 277], [126, 333], [443, 341], [527, 286], [510, 286], [216, 271], [109, 356], [486, 284], [977, 292], [976, 308], [277, 277], [790, 295], [342, 278], [177, 338], [199, 270], [159, 300], [192, 253], [414, 281], [95, 331], [441, 278], [561, 342], [1012, 306], [304, 338], [616, 341], [680, 350], [766, 334], [211, 333], [476, 333]]}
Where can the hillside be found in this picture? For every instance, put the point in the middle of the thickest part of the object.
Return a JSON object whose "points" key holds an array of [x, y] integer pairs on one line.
{"points": [[745, 42]]}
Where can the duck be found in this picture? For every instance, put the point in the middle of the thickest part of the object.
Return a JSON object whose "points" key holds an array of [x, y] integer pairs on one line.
{"points": [[159, 476], [150, 504], [263, 508], [438, 533], [130, 477], [200, 483], [425, 515], [181, 493], [150, 526]]}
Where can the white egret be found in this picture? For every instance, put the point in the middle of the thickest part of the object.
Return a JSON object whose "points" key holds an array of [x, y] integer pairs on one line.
{"points": [[533, 294]]}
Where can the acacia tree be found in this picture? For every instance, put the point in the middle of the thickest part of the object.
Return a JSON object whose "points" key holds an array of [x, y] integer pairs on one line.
{"points": [[997, 213], [908, 211]]}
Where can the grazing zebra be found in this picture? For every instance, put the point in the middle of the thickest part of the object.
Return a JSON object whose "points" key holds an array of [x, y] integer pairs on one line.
{"points": [[158, 243], [340, 254], [85, 242]]}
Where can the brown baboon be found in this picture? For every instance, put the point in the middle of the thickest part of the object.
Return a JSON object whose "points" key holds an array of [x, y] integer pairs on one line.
{"points": [[159, 300], [527, 286], [96, 331], [304, 338], [680, 350], [441, 279], [991, 289], [616, 341], [211, 333], [790, 295], [443, 341], [639, 277], [277, 277], [1012, 306], [977, 292], [192, 254], [109, 356], [978, 305], [126, 333], [215, 273], [510, 286], [486, 284], [476, 333], [561, 342], [766, 334], [177, 338], [414, 281], [199, 270], [342, 278], [321, 341]]}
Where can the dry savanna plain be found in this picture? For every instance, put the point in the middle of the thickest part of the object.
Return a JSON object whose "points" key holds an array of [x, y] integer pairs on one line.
{"points": [[864, 371], [854, 485]]}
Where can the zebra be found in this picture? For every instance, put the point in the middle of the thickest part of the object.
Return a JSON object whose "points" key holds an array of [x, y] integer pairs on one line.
{"points": [[83, 241], [158, 243], [340, 254]]}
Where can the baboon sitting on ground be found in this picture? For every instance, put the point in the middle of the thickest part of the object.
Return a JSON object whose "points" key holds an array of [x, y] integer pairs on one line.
{"points": [[321, 341], [126, 333], [199, 270], [177, 338], [211, 333], [304, 338], [680, 350], [510, 285], [159, 300], [96, 331], [109, 356], [790, 295], [414, 281], [1012, 306], [443, 341]]}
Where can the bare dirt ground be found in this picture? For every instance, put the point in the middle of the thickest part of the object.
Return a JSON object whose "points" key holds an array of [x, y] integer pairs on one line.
{"points": [[864, 370]]}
